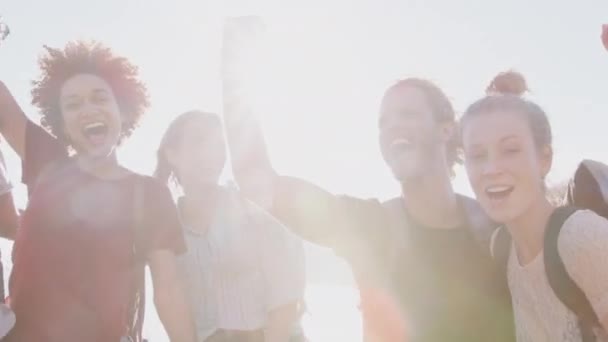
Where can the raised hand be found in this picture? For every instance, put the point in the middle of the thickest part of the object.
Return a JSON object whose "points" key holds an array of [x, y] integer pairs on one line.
{"points": [[250, 161], [241, 56], [4, 30], [12, 120]]}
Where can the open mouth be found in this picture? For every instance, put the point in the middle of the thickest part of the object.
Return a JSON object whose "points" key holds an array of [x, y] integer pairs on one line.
{"points": [[95, 132], [499, 192], [401, 145]]}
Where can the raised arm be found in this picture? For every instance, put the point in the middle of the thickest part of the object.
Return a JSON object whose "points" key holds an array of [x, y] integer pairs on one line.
{"points": [[9, 219], [13, 121], [250, 162], [306, 209]]}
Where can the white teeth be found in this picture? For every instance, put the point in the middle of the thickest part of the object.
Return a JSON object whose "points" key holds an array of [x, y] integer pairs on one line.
{"points": [[94, 125], [401, 141], [497, 189]]}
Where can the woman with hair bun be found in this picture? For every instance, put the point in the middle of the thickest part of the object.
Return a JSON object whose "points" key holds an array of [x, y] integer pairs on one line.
{"points": [[508, 153]]}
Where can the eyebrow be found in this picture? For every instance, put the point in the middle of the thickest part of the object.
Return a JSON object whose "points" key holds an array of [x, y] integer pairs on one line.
{"points": [[508, 137], [71, 97], [98, 91]]}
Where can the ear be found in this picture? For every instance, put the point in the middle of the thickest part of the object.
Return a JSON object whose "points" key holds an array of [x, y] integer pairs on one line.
{"points": [[546, 160], [170, 156], [447, 131]]}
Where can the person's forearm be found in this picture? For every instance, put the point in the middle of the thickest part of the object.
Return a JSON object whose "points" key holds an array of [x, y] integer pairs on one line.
{"points": [[248, 153], [281, 322], [249, 157], [174, 314], [9, 219]]}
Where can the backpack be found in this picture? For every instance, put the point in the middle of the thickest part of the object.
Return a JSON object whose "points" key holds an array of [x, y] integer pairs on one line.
{"points": [[588, 189]]}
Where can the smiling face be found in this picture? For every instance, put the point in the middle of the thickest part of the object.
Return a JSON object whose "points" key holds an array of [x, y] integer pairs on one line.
{"points": [[505, 165], [199, 154], [92, 121], [411, 138]]}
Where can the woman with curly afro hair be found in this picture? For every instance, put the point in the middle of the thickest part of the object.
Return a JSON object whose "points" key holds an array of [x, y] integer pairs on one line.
{"points": [[91, 225]]}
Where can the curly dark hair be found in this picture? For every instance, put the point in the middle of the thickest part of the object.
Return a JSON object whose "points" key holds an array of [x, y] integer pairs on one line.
{"points": [[91, 57]]}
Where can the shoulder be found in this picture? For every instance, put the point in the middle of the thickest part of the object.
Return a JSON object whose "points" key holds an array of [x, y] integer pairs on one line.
{"points": [[481, 226], [368, 206], [583, 225], [583, 233], [153, 193], [148, 182]]}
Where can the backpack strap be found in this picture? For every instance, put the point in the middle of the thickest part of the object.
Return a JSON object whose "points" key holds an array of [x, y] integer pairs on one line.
{"points": [[562, 284]]}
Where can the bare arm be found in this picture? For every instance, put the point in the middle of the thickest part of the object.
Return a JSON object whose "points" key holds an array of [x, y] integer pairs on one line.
{"points": [[12, 121], [306, 209], [249, 156], [169, 300], [281, 322], [9, 219]]}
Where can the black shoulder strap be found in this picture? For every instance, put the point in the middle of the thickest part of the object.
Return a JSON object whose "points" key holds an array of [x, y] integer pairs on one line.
{"points": [[562, 284]]}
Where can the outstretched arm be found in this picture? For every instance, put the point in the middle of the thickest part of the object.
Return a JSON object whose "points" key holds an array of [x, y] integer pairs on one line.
{"points": [[12, 121], [306, 209], [249, 156]]}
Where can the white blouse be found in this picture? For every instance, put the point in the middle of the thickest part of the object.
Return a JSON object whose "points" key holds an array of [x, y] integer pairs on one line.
{"points": [[245, 265], [539, 314]]}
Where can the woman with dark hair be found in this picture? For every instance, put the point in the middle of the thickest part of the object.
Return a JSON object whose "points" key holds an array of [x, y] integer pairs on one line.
{"points": [[91, 225], [243, 270], [508, 152]]}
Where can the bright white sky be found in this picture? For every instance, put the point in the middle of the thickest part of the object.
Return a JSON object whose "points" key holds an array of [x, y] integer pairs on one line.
{"points": [[331, 61]]}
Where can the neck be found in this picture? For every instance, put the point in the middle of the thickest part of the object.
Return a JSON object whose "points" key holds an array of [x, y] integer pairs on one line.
{"points": [[196, 190], [198, 205], [528, 230], [106, 167], [431, 200]]}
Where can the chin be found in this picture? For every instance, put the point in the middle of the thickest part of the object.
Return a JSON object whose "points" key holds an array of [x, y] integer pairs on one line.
{"points": [[499, 215], [407, 174], [100, 153]]}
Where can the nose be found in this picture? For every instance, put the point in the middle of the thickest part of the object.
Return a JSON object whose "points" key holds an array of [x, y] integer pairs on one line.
{"points": [[89, 109], [391, 128], [492, 167]]}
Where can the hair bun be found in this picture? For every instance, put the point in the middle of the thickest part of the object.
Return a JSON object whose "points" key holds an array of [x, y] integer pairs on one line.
{"points": [[508, 83]]}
